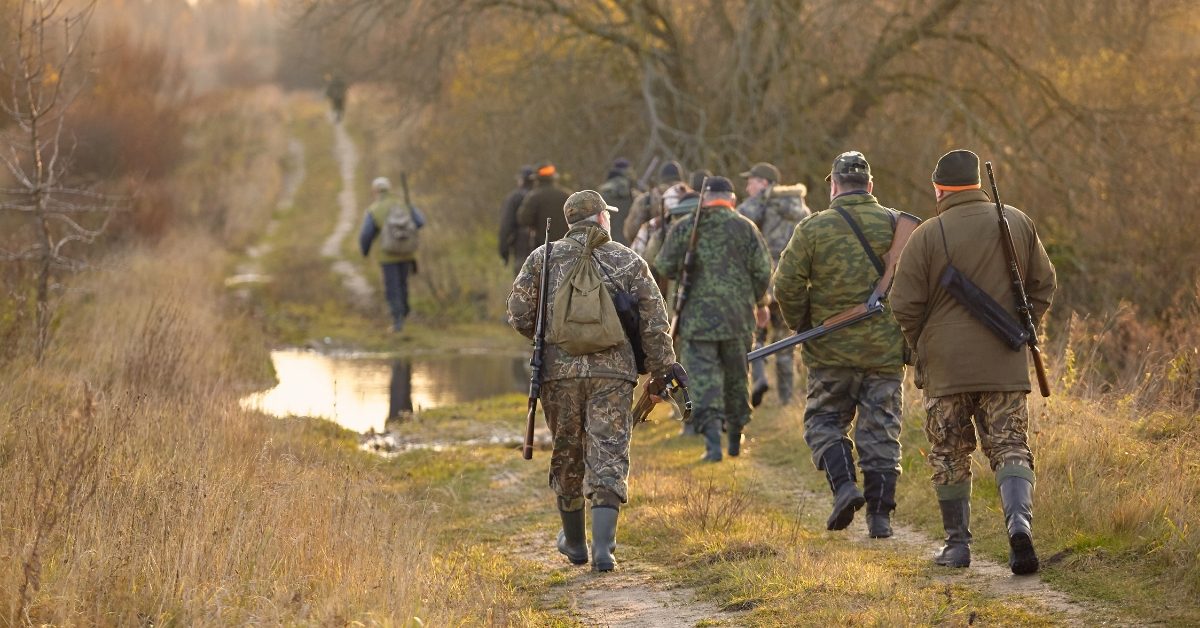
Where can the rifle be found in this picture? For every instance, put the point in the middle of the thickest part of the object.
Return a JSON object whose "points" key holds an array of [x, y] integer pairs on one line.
{"points": [[404, 186], [539, 347], [689, 263], [905, 225], [674, 379], [1024, 308]]}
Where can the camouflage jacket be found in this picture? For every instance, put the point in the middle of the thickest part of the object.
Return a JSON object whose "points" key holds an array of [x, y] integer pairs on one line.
{"points": [[776, 211], [626, 271], [731, 274], [824, 271], [645, 207]]}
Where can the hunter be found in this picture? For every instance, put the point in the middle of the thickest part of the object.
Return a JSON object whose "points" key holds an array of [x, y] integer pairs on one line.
{"points": [[396, 225]]}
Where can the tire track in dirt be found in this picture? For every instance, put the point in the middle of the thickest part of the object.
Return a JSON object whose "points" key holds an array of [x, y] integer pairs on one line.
{"points": [[352, 278]]}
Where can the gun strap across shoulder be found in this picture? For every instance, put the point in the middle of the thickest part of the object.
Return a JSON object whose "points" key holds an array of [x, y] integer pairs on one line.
{"points": [[862, 239]]}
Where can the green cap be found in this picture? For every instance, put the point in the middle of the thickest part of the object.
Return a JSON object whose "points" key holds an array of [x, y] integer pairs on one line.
{"points": [[763, 170], [583, 204], [956, 168], [849, 162]]}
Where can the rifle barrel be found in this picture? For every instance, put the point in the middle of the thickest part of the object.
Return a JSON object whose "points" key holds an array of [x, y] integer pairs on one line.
{"points": [[539, 349]]}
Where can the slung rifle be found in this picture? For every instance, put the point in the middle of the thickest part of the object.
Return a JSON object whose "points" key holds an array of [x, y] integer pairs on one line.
{"points": [[537, 361]]}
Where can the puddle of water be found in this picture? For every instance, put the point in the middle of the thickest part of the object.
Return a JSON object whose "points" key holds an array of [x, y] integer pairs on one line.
{"points": [[361, 393]]}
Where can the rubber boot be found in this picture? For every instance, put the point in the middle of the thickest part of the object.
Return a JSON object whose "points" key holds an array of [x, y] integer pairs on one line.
{"points": [[956, 519], [1016, 496], [838, 462], [604, 537], [785, 376], [712, 442], [572, 540], [735, 441], [880, 491], [759, 389]]}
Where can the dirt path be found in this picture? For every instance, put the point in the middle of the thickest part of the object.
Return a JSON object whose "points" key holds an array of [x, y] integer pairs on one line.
{"points": [[352, 278]]}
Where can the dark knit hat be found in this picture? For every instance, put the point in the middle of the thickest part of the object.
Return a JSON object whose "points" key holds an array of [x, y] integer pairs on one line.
{"points": [[957, 168], [670, 172], [718, 184], [763, 170], [849, 162], [526, 172], [697, 178], [620, 163], [583, 204]]}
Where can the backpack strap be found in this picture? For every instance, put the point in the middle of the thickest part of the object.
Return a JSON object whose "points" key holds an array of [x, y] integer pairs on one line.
{"points": [[862, 238]]}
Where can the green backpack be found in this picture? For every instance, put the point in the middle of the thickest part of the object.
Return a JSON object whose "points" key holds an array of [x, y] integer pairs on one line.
{"points": [[585, 319]]}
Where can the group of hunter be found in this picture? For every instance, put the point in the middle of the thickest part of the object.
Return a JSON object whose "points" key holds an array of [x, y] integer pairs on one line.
{"points": [[864, 289]]}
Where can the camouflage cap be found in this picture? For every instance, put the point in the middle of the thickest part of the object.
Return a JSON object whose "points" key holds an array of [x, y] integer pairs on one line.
{"points": [[584, 204], [763, 170], [957, 168], [849, 162]]}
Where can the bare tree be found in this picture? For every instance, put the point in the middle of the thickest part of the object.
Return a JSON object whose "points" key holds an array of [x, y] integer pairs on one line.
{"points": [[40, 62]]}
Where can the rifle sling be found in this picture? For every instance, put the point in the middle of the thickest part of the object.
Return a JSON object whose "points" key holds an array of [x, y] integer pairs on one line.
{"points": [[862, 239]]}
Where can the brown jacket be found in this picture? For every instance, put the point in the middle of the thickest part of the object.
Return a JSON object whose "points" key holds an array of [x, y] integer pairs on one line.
{"points": [[954, 352]]}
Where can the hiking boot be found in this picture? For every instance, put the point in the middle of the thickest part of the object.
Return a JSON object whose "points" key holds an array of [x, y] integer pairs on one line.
{"points": [[838, 463], [604, 537], [735, 441], [758, 391], [712, 442], [572, 540], [1016, 496], [880, 492], [956, 519]]}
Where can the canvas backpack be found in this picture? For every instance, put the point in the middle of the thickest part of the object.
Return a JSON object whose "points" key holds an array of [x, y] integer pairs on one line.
{"points": [[400, 233], [585, 318]]}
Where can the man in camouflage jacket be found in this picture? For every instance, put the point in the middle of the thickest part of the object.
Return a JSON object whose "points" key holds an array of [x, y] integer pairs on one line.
{"points": [[824, 271], [974, 384], [727, 298], [587, 398], [776, 210]]}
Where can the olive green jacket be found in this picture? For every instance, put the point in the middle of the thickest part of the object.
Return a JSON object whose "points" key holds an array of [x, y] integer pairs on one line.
{"points": [[955, 353]]}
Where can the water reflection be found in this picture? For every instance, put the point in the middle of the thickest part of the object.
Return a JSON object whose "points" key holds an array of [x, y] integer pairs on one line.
{"points": [[363, 394]]}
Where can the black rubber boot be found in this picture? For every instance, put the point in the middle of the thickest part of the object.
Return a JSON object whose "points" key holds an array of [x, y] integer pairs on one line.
{"points": [[572, 540], [712, 442], [1016, 495], [838, 462], [880, 491], [735, 441], [604, 537], [758, 390], [956, 519]]}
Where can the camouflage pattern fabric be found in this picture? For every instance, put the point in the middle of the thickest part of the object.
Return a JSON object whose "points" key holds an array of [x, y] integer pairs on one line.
{"points": [[731, 273], [1002, 422], [620, 266], [824, 271], [719, 387], [591, 425], [836, 395], [776, 212], [645, 207]]}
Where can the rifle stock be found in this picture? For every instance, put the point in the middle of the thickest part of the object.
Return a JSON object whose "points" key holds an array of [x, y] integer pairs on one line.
{"points": [[539, 349], [1024, 308]]}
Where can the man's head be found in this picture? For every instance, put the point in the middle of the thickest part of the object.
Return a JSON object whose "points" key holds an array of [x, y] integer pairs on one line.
{"points": [[719, 191], [697, 178], [525, 175], [620, 167], [850, 171], [381, 185], [545, 171], [587, 205], [761, 176], [956, 171], [670, 172]]}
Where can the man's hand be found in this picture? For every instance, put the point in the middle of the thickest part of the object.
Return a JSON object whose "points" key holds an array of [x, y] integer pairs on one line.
{"points": [[762, 316]]}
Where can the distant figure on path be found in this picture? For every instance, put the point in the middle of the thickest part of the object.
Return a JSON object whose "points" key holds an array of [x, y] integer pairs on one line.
{"points": [[619, 188], [335, 90], [396, 224], [516, 241], [545, 201], [975, 385]]}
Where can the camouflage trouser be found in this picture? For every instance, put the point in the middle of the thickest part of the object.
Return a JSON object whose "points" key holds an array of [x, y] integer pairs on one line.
{"points": [[718, 381], [785, 366], [1002, 421], [590, 422], [834, 394]]}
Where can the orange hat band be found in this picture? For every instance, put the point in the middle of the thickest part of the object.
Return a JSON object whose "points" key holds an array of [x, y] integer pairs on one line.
{"points": [[718, 202], [956, 188], [546, 171]]}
